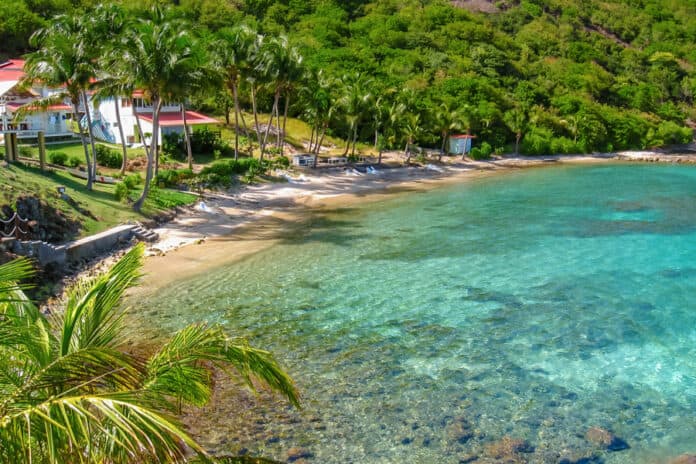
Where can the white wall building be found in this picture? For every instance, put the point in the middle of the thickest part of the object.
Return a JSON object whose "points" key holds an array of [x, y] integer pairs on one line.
{"points": [[171, 119], [53, 120]]}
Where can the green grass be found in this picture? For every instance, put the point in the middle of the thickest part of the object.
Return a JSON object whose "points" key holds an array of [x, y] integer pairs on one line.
{"points": [[18, 179]]}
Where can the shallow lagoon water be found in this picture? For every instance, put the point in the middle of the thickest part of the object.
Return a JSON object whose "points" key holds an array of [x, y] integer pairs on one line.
{"points": [[532, 304]]}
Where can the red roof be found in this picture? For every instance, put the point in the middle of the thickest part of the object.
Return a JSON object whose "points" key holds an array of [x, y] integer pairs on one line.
{"points": [[12, 70], [174, 118], [463, 136], [14, 106]]}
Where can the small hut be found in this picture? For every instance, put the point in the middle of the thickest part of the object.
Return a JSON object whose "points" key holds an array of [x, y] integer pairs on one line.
{"points": [[460, 144], [303, 160]]}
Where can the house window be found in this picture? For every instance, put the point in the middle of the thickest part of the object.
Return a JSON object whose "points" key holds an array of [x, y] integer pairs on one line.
{"points": [[113, 124], [125, 103]]}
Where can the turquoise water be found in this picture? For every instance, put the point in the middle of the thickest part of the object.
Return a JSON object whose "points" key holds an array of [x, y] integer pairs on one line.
{"points": [[532, 304]]}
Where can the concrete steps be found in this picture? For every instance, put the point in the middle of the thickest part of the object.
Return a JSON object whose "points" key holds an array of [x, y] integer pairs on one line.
{"points": [[144, 234]]}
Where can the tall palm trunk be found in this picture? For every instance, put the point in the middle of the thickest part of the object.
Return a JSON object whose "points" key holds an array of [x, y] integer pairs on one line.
{"points": [[311, 139], [355, 139], [407, 151], [256, 114], [88, 161], [445, 136], [285, 121], [278, 125], [270, 123], [124, 163], [91, 135], [152, 153], [350, 132], [187, 137], [321, 139], [236, 121]]}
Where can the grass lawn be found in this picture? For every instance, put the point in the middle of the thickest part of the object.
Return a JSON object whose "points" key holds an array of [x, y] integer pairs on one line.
{"points": [[18, 179]]}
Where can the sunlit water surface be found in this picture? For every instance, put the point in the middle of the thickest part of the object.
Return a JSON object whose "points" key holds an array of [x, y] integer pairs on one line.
{"points": [[533, 304]]}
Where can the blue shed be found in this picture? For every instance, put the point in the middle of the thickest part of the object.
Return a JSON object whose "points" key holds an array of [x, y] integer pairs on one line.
{"points": [[460, 144]]}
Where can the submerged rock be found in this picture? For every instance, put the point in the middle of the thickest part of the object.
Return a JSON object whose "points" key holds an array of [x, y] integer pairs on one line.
{"points": [[603, 438], [296, 453], [684, 459], [460, 430], [509, 450]]}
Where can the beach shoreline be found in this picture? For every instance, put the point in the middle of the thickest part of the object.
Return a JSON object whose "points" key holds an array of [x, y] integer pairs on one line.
{"points": [[226, 227]]}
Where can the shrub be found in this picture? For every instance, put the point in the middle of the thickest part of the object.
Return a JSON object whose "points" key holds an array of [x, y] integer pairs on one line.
{"points": [[475, 153], [221, 172], [486, 150], [108, 157], [58, 157], [205, 141], [132, 180], [121, 191], [173, 177], [74, 161], [26, 152]]}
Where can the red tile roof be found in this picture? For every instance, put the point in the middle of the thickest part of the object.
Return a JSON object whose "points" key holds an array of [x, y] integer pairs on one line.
{"points": [[174, 118], [463, 136], [14, 106], [12, 70]]}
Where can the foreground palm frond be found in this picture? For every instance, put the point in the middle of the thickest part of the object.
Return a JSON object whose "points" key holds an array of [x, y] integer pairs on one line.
{"points": [[68, 393]]}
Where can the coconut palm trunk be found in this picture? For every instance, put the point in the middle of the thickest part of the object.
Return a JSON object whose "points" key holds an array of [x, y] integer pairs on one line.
{"points": [[236, 121], [187, 138], [152, 152], [285, 121], [270, 123], [256, 113], [124, 163], [91, 135], [88, 161]]}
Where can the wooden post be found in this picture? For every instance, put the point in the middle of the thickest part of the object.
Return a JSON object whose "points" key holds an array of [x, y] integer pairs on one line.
{"points": [[8, 146], [42, 150], [14, 153]]}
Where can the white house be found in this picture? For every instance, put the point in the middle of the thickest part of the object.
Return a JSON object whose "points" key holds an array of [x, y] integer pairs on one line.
{"points": [[53, 120], [105, 122]]}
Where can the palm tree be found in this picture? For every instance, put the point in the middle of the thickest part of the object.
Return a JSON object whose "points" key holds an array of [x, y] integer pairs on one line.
{"points": [[73, 392], [354, 101], [155, 53], [412, 130], [447, 120], [281, 65], [515, 119], [108, 22], [64, 62], [232, 53]]}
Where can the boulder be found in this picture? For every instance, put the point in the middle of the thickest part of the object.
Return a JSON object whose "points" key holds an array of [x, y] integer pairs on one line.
{"points": [[460, 430], [684, 459], [603, 438], [508, 449]]}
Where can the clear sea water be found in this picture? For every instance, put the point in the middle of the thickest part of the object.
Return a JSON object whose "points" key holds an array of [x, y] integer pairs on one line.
{"points": [[532, 304]]}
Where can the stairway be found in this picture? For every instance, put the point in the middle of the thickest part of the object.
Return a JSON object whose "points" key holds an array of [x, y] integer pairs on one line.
{"points": [[144, 234]]}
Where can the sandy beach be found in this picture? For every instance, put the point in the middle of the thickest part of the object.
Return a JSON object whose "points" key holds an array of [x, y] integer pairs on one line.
{"points": [[226, 226]]}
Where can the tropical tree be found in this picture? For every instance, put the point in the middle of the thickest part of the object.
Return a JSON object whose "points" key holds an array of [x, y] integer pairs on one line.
{"points": [[447, 120], [281, 64], [64, 62], [107, 23], [72, 391], [155, 53], [411, 130], [516, 119], [355, 102], [232, 52]]}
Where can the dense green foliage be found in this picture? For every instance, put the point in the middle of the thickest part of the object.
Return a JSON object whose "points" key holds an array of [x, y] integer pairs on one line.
{"points": [[539, 76], [108, 157]]}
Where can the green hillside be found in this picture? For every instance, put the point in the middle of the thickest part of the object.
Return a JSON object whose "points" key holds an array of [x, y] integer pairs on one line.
{"points": [[557, 75]]}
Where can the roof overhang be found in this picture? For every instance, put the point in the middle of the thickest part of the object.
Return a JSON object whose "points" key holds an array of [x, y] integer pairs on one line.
{"points": [[174, 119]]}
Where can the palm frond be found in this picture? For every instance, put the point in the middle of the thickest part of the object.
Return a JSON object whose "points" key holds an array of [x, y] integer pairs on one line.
{"points": [[10, 274], [90, 317]]}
